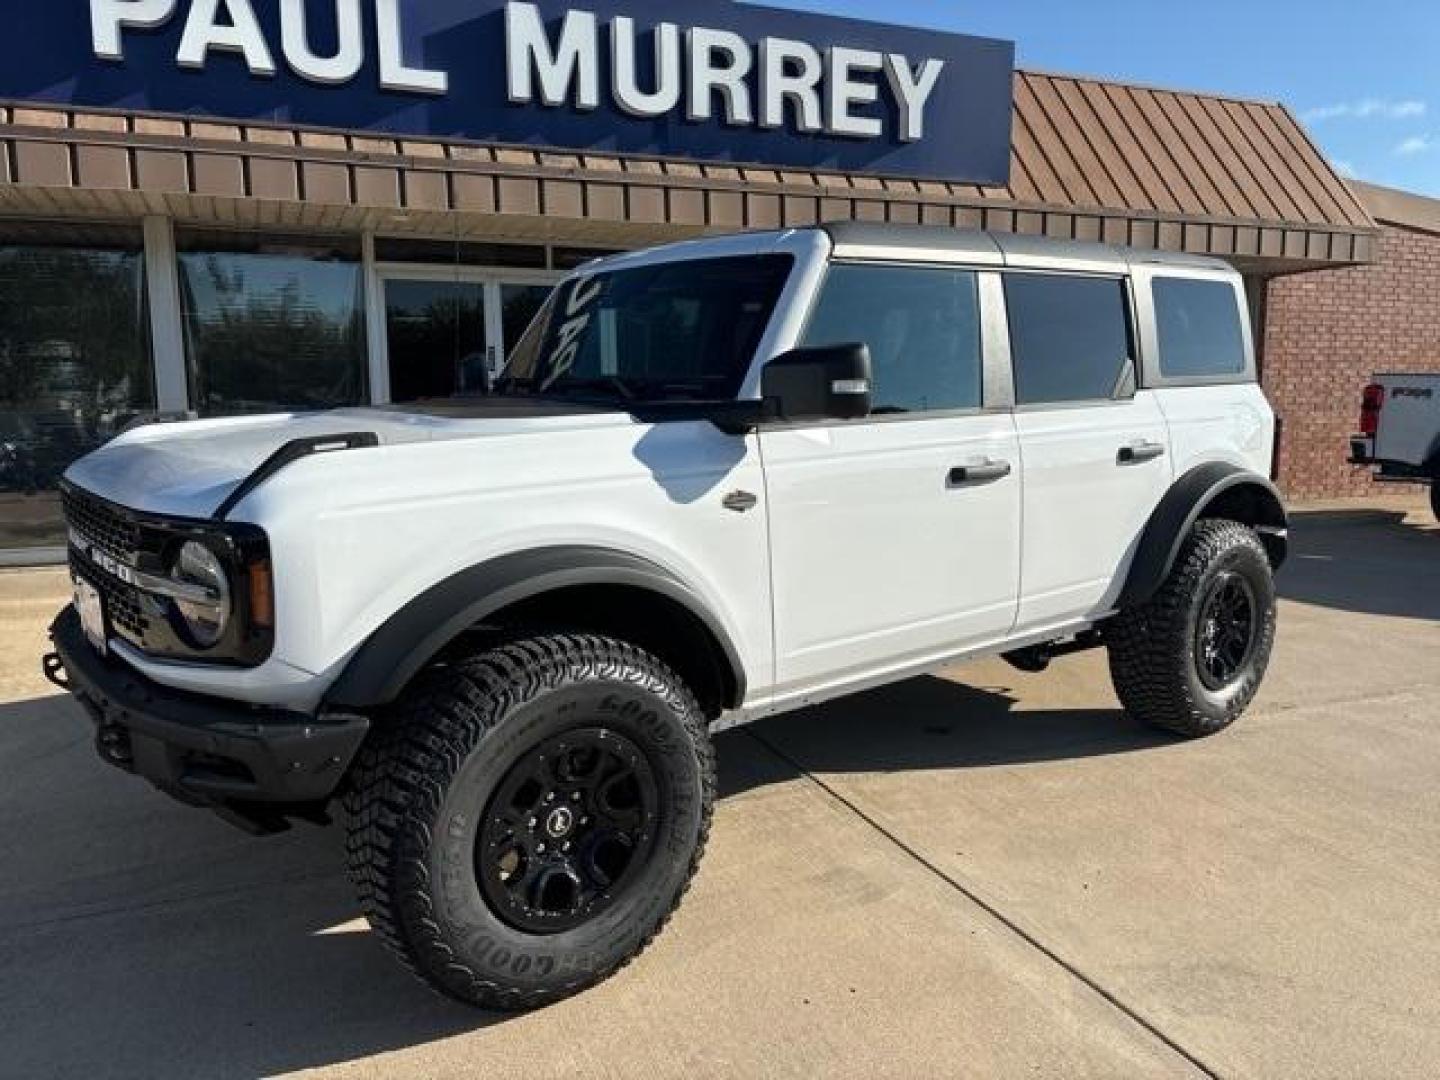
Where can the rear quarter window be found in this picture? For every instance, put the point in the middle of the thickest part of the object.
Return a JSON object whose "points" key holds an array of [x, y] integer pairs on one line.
{"points": [[1199, 328]]}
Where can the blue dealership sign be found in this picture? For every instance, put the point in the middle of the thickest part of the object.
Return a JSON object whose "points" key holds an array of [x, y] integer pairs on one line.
{"points": [[717, 81]]}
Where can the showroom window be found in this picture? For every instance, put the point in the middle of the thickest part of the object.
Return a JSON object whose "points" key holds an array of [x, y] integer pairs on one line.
{"points": [[74, 361], [458, 253], [272, 322]]}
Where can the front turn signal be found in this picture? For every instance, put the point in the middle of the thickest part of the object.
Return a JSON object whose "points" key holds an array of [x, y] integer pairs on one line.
{"points": [[262, 595]]}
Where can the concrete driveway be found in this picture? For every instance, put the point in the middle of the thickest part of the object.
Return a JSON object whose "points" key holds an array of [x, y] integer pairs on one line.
{"points": [[985, 875]]}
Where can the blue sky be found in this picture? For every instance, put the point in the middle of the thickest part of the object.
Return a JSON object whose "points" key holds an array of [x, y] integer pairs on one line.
{"points": [[1363, 75]]}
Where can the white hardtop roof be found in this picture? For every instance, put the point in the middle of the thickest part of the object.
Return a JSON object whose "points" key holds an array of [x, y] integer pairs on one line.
{"points": [[918, 243], [860, 239]]}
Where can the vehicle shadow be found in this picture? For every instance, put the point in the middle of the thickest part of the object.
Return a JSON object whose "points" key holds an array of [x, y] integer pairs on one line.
{"points": [[139, 938], [1365, 561], [142, 939], [934, 724]]}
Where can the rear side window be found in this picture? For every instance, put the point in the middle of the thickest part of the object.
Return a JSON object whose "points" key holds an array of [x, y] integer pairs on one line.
{"points": [[1069, 337], [1199, 327], [922, 326]]}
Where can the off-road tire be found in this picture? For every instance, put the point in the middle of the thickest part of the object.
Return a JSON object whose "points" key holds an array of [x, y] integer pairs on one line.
{"points": [[427, 774], [1154, 659]]}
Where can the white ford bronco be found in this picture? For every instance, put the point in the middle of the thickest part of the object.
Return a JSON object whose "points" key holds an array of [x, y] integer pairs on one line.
{"points": [[719, 481]]}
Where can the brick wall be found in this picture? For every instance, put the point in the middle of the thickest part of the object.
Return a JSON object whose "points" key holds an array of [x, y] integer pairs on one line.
{"points": [[1326, 334]]}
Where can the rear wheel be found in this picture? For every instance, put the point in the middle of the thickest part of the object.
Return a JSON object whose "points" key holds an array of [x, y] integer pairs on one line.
{"points": [[1191, 660], [529, 818]]}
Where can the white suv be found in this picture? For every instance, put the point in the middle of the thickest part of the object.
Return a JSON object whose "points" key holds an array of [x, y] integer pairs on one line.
{"points": [[720, 480]]}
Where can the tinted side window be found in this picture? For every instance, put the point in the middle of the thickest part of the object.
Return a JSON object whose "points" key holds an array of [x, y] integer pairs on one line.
{"points": [[1199, 328], [1069, 336], [922, 326]]}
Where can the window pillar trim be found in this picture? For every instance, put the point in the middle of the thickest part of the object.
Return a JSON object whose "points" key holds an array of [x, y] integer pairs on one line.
{"points": [[167, 328], [376, 343], [999, 388]]}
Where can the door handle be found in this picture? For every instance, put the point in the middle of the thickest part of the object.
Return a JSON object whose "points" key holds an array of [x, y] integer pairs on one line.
{"points": [[983, 473], [1137, 452]]}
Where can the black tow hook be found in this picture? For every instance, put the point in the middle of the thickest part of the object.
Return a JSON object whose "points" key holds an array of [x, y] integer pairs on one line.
{"points": [[112, 742], [54, 669]]}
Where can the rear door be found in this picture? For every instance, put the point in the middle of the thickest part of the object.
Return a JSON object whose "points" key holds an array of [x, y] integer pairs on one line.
{"points": [[1096, 450], [896, 538]]}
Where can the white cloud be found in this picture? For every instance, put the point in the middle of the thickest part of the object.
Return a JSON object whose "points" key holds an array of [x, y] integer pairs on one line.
{"points": [[1344, 167], [1416, 144], [1368, 109]]}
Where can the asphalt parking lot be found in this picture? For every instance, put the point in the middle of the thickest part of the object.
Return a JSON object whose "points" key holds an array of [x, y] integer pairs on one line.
{"points": [[988, 874]]}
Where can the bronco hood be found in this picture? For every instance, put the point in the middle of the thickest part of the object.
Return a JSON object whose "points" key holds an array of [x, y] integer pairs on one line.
{"points": [[190, 469]]}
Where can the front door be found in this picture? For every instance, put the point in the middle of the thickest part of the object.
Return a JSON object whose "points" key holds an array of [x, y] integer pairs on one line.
{"points": [[896, 537], [448, 335]]}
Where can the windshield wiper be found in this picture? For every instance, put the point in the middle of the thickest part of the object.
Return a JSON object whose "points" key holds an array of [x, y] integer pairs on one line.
{"points": [[613, 387], [611, 383], [512, 384], [657, 390]]}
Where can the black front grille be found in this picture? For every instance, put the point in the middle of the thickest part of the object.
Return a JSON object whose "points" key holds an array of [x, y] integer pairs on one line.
{"points": [[111, 531], [101, 525], [122, 604]]}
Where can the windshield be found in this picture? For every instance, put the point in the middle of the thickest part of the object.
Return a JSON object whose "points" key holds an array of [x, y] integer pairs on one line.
{"points": [[672, 331]]}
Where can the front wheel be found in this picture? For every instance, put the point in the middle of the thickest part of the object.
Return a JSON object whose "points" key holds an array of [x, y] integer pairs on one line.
{"points": [[1191, 660], [528, 819]]}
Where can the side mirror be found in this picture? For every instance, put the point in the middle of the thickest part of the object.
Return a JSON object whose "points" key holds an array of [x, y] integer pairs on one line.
{"points": [[830, 382]]}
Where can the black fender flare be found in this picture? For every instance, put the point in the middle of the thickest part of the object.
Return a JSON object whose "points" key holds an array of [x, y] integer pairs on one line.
{"points": [[396, 652], [1185, 503]]}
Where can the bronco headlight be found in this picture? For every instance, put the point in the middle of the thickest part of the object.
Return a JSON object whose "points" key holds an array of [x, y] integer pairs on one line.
{"points": [[202, 594]]}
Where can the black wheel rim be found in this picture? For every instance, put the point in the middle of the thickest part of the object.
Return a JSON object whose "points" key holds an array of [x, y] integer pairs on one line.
{"points": [[1226, 632], [567, 832]]}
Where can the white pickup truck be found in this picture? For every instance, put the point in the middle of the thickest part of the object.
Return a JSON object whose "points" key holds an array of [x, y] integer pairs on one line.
{"points": [[1400, 431]]}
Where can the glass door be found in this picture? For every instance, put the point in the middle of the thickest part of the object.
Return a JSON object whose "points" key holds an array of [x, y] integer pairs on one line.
{"points": [[447, 330], [518, 305], [437, 338]]}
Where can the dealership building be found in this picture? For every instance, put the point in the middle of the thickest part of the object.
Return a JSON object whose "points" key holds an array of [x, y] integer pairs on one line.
{"points": [[227, 208]]}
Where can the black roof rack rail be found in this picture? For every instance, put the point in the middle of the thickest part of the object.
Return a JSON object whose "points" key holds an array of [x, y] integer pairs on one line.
{"points": [[290, 453]]}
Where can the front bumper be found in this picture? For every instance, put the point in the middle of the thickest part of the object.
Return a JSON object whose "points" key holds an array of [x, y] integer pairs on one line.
{"points": [[255, 763]]}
